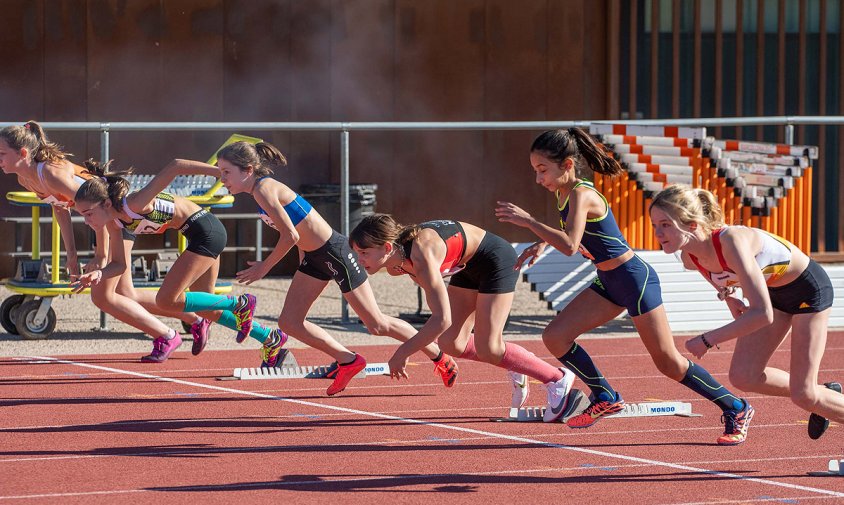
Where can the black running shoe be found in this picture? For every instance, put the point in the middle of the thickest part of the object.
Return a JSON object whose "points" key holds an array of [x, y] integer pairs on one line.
{"points": [[819, 424]]}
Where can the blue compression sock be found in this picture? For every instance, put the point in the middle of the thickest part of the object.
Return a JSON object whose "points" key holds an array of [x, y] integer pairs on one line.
{"points": [[258, 332], [701, 382], [579, 362]]}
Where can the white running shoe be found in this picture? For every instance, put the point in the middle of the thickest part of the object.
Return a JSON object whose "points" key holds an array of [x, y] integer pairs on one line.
{"points": [[520, 389], [558, 396]]}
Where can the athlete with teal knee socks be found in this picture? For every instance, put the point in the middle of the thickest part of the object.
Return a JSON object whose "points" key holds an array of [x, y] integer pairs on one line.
{"points": [[105, 200]]}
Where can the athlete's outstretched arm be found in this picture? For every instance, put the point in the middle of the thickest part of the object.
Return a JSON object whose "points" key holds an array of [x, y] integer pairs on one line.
{"points": [[266, 195], [426, 261], [166, 176]]}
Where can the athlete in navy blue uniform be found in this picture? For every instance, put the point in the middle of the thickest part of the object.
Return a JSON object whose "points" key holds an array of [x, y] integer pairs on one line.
{"points": [[325, 255], [624, 281]]}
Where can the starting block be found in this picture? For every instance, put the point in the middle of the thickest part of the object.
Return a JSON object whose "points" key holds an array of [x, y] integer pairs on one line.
{"points": [[303, 372], [581, 401], [836, 466], [578, 401]]}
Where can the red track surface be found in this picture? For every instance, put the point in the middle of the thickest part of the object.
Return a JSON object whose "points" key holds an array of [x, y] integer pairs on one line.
{"points": [[108, 429]]}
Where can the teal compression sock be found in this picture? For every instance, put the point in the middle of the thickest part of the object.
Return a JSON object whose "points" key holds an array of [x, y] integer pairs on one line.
{"points": [[196, 301], [258, 332]]}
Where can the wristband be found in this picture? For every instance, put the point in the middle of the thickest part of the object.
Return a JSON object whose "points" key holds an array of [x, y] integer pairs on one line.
{"points": [[706, 342]]}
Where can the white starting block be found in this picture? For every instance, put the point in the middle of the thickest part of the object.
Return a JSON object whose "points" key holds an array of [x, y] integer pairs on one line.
{"points": [[650, 409], [303, 372], [836, 466]]}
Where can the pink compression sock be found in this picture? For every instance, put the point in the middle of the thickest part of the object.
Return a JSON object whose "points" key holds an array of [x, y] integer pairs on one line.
{"points": [[520, 360]]}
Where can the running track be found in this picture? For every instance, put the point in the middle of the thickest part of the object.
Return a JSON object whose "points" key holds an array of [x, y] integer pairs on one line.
{"points": [[108, 429]]}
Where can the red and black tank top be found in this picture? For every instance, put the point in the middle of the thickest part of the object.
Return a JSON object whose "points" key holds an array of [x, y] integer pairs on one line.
{"points": [[454, 237]]}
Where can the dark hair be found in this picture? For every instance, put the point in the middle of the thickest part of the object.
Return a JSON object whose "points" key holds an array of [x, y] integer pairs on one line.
{"points": [[263, 157], [558, 145], [106, 185], [32, 137], [378, 229]]}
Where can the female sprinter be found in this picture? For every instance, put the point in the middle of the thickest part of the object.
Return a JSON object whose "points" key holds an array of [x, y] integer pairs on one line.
{"points": [[105, 200], [325, 255], [479, 295], [624, 281], [784, 288], [43, 168]]}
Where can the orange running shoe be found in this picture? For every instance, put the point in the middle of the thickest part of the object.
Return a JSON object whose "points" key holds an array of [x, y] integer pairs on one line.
{"points": [[345, 374], [447, 369], [595, 411], [736, 424]]}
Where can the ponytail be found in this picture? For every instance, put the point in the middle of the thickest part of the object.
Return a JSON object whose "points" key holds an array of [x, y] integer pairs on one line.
{"points": [[105, 185], [376, 230], [263, 157], [558, 145], [31, 136], [687, 205]]}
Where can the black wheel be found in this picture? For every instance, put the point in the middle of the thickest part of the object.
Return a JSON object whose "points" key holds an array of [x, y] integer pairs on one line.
{"points": [[7, 313], [25, 322]]}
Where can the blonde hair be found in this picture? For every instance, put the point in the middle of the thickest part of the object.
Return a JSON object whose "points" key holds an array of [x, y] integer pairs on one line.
{"points": [[687, 205]]}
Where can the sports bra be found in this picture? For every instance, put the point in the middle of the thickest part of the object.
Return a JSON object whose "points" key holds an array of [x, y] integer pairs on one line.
{"points": [[58, 200], [156, 221], [297, 210], [773, 259], [454, 237], [602, 239]]}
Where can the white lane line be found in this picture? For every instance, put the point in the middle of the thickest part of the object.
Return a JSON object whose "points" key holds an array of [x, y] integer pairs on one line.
{"points": [[583, 450]]}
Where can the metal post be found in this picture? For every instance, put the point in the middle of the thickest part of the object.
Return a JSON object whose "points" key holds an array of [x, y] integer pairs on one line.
{"points": [[344, 202], [104, 155], [789, 134], [259, 240]]}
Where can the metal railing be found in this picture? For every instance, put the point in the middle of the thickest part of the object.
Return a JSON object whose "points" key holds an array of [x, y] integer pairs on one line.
{"points": [[345, 129]]}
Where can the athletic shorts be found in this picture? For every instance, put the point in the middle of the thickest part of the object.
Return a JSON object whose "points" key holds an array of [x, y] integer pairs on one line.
{"points": [[128, 235], [490, 270], [334, 260], [205, 234], [811, 292], [633, 285]]}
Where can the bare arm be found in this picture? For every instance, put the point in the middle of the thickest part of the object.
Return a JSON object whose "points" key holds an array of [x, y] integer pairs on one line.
{"points": [[426, 261], [266, 195], [738, 253], [175, 168], [568, 241]]}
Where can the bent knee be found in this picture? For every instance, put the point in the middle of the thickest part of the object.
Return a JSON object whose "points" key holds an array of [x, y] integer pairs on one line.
{"points": [[744, 381], [166, 299], [804, 398]]}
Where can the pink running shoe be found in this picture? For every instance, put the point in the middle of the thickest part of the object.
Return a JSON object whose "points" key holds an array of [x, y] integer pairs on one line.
{"points": [[201, 331], [243, 315], [162, 349], [345, 373], [595, 411]]}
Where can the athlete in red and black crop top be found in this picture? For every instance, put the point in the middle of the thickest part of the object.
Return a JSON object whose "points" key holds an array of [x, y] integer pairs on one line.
{"points": [[455, 242]]}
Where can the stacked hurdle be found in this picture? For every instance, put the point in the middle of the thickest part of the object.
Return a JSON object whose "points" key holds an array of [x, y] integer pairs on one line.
{"points": [[774, 184], [764, 185]]}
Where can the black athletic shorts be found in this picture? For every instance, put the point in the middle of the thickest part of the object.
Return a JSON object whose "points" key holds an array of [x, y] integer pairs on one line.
{"points": [[205, 233], [491, 268], [811, 292], [334, 260]]}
